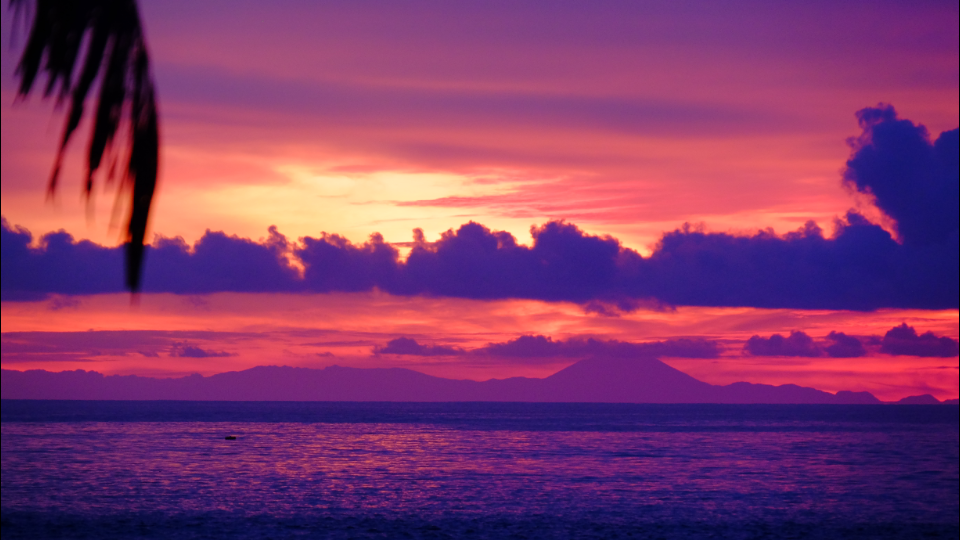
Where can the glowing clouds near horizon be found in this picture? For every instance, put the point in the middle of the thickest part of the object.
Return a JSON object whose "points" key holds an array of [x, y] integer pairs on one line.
{"points": [[173, 335], [629, 119], [462, 176]]}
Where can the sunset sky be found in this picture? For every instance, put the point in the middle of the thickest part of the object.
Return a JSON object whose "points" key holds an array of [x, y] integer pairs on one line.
{"points": [[587, 131]]}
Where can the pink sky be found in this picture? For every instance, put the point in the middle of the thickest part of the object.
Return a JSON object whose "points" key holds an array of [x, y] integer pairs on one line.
{"points": [[627, 120]]}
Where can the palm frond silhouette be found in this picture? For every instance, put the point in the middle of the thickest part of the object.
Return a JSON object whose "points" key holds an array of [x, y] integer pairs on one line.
{"points": [[109, 35]]}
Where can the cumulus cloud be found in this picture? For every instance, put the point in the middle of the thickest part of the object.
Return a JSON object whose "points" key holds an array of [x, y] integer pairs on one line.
{"points": [[536, 347], [904, 340], [861, 267], [539, 349], [797, 344], [407, 346], [219, 263], [186, 350], [475, 262], [58, 265], [333, 263], [913, 180], [215, 263], [844, 346], [531, 347], [900, 340]]}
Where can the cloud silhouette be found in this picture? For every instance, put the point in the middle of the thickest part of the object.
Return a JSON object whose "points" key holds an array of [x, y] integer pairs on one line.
{"points": [[58, 265], [903, 340], [861, 267], [539, 349], [407, 346], [475, 262], [913, 180], [532, 347], [186, 350], [797, 344], [844, 346], [334, 264], [220, 263], [215, 263], [535, 347]]}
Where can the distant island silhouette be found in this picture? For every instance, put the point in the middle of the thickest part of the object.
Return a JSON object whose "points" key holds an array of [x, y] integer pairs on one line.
{"points": [[598, 380]]}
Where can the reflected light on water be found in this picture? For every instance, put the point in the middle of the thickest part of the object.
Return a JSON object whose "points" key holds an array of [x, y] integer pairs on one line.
{"points": [[286, 469]]}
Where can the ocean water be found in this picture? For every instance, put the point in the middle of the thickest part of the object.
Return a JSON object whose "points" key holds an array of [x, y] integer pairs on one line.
{"points": [[477, 470]]}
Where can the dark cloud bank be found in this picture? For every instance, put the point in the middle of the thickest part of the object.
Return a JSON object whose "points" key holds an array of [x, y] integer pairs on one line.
{"points": [[913, 180], [529, 349], [903, 340], [900, 340]]}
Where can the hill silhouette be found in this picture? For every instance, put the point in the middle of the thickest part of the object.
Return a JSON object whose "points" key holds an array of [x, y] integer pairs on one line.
{"points": [[598, 379]]}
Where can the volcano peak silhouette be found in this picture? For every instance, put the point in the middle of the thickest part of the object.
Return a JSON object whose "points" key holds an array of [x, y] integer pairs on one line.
{"points": [[599, 379]]}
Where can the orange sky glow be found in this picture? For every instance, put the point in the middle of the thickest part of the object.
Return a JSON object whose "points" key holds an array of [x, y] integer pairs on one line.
{"points": [[351, 120]]}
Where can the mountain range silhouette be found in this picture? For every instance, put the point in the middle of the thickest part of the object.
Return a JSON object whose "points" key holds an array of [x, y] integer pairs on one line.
{"points": [[598, 379]]}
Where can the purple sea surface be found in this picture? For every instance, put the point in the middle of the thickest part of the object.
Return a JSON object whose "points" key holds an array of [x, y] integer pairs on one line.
{"points": [[384, 470]]}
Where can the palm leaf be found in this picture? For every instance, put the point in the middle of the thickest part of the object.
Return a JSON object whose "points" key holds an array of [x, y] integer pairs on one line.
{"points": [[109, 36]]}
